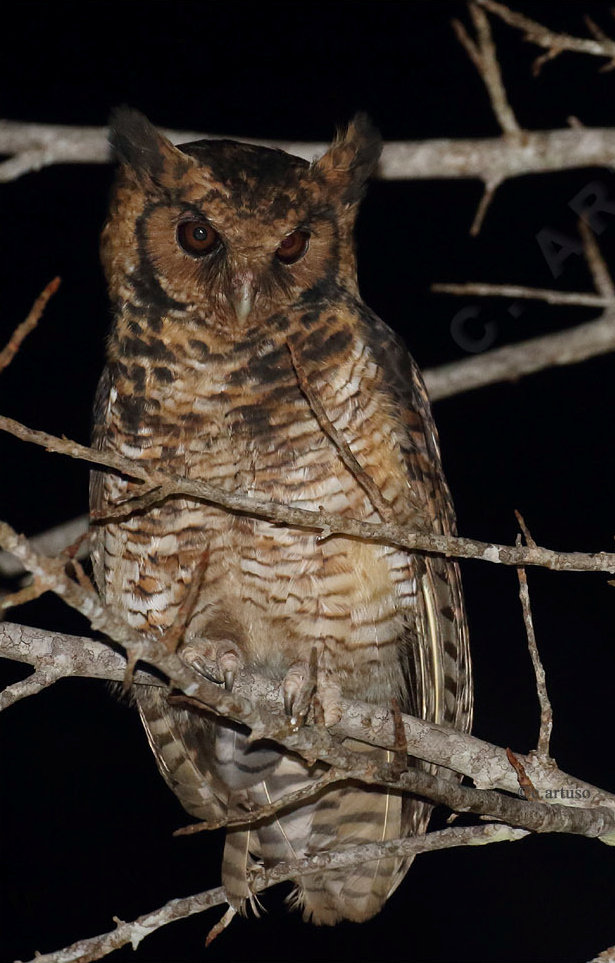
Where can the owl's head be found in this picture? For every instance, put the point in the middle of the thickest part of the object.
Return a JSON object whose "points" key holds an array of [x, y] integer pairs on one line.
{"points": [[231, 233]]}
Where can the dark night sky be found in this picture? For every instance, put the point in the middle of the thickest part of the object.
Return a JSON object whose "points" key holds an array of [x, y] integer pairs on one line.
{"points": [[86, 820]]}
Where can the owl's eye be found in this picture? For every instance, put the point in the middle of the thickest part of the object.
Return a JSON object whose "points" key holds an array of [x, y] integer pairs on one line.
{"points": [[197, 237], [293, 247]]}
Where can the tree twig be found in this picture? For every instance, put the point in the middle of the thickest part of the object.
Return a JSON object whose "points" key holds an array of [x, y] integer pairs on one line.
{"points": [[23, 330], [525, 783], [35, 146], [487, 765], [97, 947], [340, 443], [483, 56], [551, 41], [518, 360], [51, 542], [480, 289], [546, 711], [595, 261], [321, 521]]}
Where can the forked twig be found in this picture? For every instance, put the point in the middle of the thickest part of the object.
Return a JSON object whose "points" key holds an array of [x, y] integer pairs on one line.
{"points": [[554, 43], [483, 55]]}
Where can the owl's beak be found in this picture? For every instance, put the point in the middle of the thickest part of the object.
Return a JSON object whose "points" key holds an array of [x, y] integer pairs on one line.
{"points": [[242, 294]]}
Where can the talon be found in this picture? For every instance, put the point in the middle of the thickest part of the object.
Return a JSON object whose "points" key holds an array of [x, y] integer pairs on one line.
{"points": [[218, 660], [289, 701]]}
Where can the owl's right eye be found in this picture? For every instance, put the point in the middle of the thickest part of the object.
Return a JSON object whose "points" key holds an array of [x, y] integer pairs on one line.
{"points": [[197, 237]]}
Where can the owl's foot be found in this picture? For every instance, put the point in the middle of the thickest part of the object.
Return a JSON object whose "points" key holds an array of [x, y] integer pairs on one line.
{"points": [[306, 685], [219, 659]]}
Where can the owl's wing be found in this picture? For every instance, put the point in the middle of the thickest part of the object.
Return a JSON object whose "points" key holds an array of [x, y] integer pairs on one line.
{"points": [[181, 743], [438, 646]]}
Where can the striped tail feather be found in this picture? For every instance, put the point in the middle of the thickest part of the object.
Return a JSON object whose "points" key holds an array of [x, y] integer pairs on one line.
{"points": [[281, 837], [344, 818], [338, 819], [181, 743]]}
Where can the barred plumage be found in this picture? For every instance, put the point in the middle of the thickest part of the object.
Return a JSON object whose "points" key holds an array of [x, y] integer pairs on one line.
{"points": [[218, 256]]}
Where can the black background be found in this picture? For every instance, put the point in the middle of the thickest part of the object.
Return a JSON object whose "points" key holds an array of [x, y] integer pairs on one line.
{"points": [[87, 821]]}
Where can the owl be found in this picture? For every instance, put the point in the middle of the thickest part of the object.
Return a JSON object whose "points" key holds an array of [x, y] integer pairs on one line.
{"points": [[232, 277]]}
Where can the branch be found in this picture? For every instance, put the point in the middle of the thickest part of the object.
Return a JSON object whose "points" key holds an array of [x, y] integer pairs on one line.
{"points": [[483, 55], [546, 711], [487, 765], [336, 437], [516, 360], [34, 146], [51, 542], [327, 523], [96, 947], [599, 821], [554, 43], [580, 299], [564, 347], [23, 330]]}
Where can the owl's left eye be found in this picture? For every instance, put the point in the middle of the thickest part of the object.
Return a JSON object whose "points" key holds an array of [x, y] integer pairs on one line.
{"points": [[197, 237], [293, 247]]}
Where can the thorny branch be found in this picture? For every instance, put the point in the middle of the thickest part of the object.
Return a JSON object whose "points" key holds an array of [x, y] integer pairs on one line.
{"points": [[268, 721], [486, 764], [327, 523], [95, 948]]}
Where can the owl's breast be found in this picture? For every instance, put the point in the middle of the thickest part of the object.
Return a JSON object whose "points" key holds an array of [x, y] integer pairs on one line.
{"points": [[286, 590]]}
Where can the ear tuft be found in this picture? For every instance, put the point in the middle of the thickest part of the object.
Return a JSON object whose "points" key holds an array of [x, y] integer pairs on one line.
{"points": [[139, 145], [352, 158]]}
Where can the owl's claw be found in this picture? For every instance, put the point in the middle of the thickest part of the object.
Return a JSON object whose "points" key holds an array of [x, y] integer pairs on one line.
{"points": [[297, 690], [219, 660], [303, 681]]}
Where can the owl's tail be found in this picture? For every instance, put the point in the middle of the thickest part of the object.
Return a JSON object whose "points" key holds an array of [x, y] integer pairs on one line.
{"points": [[344, 818], [215, 771], [335, 820]]}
